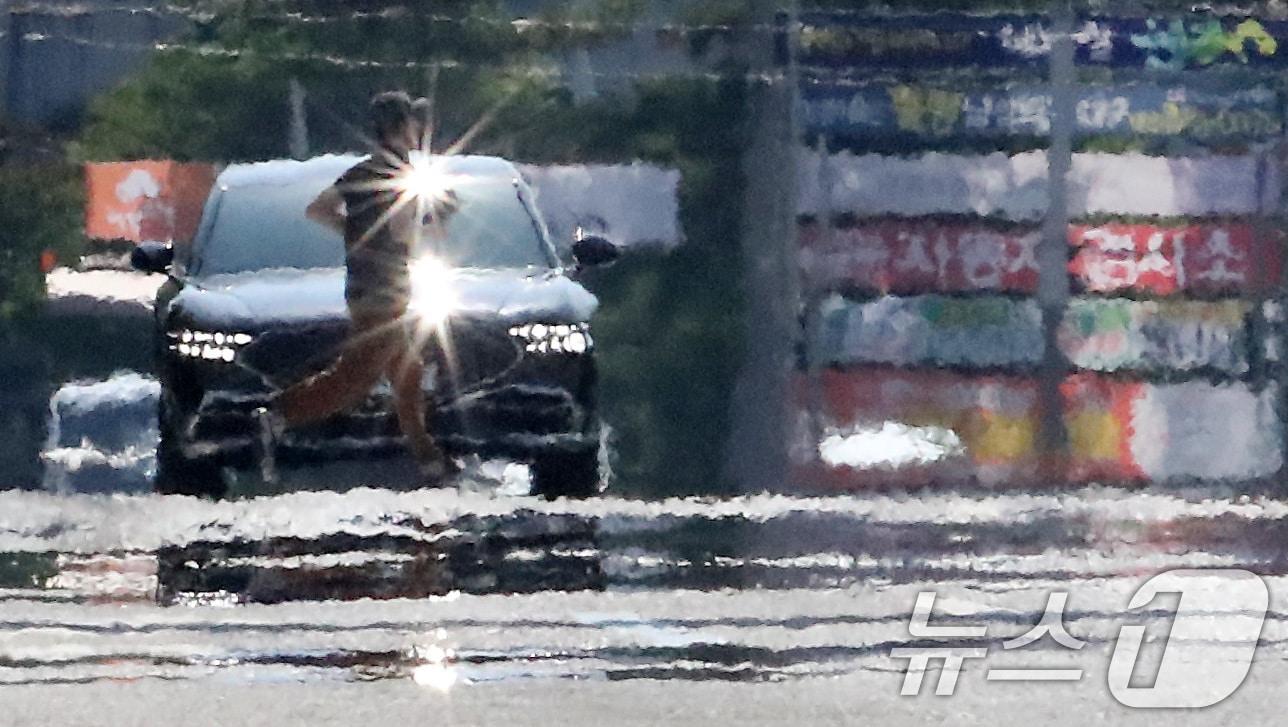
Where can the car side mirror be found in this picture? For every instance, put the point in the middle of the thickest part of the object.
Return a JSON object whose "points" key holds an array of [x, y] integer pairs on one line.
{"points": [[152, 257], [593, 251]]}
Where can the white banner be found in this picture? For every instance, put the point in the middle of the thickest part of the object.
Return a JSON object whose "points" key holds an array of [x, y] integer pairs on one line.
{"points": [[1196, 430], [631, 204], [1017, 187]]}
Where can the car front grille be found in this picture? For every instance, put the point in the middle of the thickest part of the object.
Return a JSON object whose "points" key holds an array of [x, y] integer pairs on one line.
{"points": [[488, 394], [284, 355], [473, 355]]}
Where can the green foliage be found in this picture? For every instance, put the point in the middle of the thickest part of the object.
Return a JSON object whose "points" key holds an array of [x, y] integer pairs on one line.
{"points": [[40, 209], [609, 12], [186, 106], [670, 328], [716, 12]]}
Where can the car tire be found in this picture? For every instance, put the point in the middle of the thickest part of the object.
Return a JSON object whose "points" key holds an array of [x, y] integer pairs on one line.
{"points": [[567, 474], [178, 474]]}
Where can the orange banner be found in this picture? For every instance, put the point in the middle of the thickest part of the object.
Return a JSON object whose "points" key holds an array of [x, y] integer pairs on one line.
{"points": [[145, 200]]}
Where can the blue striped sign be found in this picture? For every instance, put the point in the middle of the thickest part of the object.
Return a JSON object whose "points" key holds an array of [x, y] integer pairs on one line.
{"points": [[884, 111], [841, 39]]}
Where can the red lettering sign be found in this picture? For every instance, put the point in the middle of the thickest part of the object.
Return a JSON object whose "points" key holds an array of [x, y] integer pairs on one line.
{"points": [[919, 256], [1209, 258]]}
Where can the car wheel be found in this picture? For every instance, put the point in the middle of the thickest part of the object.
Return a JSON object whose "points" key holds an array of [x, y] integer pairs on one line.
{"points": [[178, 474], [566, 474]]}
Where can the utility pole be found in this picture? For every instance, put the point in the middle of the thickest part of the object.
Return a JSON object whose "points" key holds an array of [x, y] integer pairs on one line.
{"points": [[756, 458], [1053, 249], [299, 141]]}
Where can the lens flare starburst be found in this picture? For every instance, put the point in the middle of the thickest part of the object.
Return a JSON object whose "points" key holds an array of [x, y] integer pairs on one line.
{"points": [[424, 177], [433, 296]]}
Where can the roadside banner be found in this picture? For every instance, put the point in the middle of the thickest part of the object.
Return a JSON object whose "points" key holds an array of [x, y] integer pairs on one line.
{"points": [[1174, 335], [994, 331], [1203, 258], [954, 255], [1196, 430], [938, 330], [939, 40], [920, 256], [145, 200], [1098, 415], [880, 428], [1123, 430], [900, 111], [1016, 187]]}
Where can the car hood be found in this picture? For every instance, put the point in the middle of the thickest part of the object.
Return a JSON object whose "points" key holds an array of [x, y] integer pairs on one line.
{"points": [[270, 298]]}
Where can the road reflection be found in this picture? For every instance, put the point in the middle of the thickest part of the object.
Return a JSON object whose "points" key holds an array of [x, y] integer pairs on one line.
{"points": [[518, 554], [450, 588]]}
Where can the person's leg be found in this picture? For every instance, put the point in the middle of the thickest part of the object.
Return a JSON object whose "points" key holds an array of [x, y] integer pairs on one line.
{"points": [[347, 382], [405, 371], [342, 385]]}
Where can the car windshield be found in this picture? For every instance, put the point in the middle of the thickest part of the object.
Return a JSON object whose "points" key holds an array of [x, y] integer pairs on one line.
{"points": [[261, 226]]}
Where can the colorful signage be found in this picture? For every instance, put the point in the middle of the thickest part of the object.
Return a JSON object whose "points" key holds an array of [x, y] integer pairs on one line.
{"points": [[938, 255], [882, 428], [961, 429], [1017, 187], [847, 39], [1174, 335], [876, 111], [929, 330], [1200, 258], [1123, 430], [919, 256]]}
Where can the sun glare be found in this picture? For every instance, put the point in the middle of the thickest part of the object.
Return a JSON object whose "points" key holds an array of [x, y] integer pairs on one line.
{"points": [[424, 177]]}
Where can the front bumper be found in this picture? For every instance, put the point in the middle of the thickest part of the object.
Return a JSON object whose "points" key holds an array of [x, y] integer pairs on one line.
{"points": [[543, 403]]}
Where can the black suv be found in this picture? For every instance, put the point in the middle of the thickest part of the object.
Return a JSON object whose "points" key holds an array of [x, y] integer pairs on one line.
{"points": [[257, 302]]}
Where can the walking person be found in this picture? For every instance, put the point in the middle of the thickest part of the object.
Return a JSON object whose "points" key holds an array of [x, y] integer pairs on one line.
{"points": [[380, 232]]}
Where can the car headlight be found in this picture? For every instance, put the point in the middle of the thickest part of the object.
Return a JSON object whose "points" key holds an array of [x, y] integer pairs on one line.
{"points": [[208, 345], [571, 338]]}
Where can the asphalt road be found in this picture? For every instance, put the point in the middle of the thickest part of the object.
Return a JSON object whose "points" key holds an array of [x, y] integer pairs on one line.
{"points": [[481, 606]]}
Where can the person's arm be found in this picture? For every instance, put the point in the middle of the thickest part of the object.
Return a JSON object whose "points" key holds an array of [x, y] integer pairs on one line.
{"points": [[326, 209], [437, 211]]}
